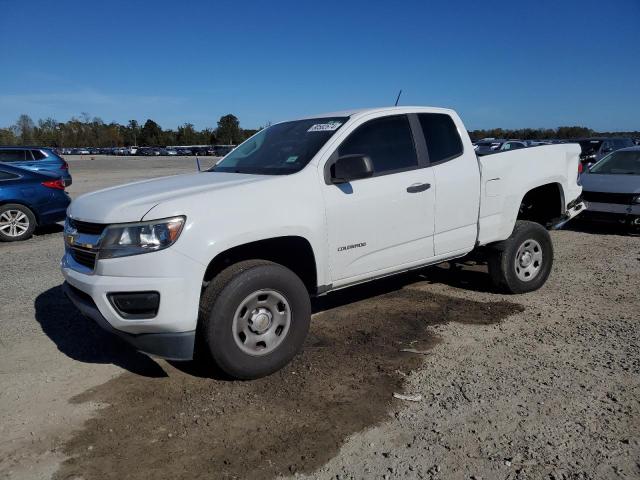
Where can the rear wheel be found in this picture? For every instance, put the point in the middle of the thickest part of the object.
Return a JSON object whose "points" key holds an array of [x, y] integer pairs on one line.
{"points": [[522, 263], [255, 317], [17, 222]]}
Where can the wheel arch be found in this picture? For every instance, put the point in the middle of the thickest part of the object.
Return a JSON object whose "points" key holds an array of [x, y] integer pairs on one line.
{"points": [[24, 204], [542, 204], [292, 251]]}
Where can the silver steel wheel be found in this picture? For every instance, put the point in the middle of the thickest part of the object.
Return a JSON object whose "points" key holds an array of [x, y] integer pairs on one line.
{"points": [[528, 260], [261, 322], [13, 223]]}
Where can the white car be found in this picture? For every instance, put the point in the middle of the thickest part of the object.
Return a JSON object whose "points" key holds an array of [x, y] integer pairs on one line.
{"points": [[233, 254]]}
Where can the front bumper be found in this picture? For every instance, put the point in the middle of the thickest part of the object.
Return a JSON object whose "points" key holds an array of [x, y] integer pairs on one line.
{"points": [[176, 278], [172, 346], [614, 213]]}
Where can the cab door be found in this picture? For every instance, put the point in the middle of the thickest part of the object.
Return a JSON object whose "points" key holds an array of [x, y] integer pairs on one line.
{"points": [[385, 222]]}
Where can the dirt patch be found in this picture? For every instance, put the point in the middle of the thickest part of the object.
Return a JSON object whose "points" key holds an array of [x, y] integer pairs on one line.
{"points": [[292, 421]]}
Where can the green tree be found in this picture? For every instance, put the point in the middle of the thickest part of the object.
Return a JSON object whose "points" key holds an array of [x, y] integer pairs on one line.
{"points": [[132, 132], [7, 137], [47, 132], [151, 134], [229, 131], [187, 135], [25, 130]]}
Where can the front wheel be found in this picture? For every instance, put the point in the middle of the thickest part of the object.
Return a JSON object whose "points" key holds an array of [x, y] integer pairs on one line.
{"points": [[255, 316], [522, 263]]}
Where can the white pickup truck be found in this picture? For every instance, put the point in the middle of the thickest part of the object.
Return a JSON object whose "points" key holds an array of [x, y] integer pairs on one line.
{"points": [[228, 258]]}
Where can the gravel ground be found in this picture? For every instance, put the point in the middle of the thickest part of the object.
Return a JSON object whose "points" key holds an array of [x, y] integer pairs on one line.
{"points": [[544, 385]]}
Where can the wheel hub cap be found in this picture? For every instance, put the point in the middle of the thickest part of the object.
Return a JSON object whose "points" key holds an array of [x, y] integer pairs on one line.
{"points": [[13, 223], [261, 322], [528, 260]]}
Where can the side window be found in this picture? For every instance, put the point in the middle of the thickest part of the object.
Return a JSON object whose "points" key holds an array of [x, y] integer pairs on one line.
{"points": [[441, 135], [387, 141], [12, 156], [7, 176], [38, 155]]}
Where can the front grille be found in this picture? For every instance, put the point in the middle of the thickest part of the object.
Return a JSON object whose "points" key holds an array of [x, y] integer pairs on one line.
{"points": [[87, 227], [84, 257], [605, 197]]}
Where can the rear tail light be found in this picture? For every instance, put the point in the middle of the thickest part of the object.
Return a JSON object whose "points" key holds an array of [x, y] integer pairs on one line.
{"points": [[580, 167], [55, 184]]}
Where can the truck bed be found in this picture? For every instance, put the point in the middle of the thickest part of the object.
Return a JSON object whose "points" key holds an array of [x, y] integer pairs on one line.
{"points": [[507, 176]]}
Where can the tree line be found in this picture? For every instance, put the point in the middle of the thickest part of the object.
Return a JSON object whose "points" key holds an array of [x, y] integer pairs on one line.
{"points": [[560, 133], [85, 131], [93, 132]]}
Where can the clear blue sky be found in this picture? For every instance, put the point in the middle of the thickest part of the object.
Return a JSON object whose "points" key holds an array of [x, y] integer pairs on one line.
{"points": [[499, 63]]}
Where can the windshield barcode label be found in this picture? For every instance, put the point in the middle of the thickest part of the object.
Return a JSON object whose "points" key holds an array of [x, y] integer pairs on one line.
{"points": [[324, 127]]}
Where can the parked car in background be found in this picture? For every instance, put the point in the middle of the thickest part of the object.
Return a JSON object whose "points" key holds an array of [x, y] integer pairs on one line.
{"points": [[171, 152], [81, 151], [222, 150], [512, 145], [611, 188], [593, 149], [499, 145], [484, 147], [37, 159], [184, 151], [29, 199]]}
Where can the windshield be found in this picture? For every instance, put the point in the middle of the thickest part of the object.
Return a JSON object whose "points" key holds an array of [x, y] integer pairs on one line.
{"points": [[626, 162], [618, 143], [281, 149]]}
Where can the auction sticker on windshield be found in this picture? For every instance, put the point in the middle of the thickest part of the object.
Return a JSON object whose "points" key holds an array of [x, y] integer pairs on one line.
{"points": [[325, 127]]}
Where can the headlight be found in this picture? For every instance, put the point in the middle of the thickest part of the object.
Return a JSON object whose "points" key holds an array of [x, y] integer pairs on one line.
{"points": [[636, 199], [136, 238]]}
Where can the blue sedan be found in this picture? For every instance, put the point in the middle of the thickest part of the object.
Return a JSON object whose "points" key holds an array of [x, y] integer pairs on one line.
{"points": [[37, 159], [28, 200]]}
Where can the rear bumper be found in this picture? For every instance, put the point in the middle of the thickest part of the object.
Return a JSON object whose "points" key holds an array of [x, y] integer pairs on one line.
{"points": [[55, 210], [574, 208], [169, 345]]}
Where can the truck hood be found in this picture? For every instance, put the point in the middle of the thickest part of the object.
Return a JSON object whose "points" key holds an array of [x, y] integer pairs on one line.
{"points": [[130, 202], [593, 182]]}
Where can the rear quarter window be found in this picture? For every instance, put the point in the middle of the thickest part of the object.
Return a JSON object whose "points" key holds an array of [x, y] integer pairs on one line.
{"points": [[441, 136], [13, 155], [38, 155]]}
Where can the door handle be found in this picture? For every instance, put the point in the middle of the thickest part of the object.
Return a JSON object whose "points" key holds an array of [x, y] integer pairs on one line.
{"points": [[418, 187]]}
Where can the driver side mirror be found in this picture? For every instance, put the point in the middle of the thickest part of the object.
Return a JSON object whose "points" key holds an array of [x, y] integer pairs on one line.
{"points": [[351, 167]]}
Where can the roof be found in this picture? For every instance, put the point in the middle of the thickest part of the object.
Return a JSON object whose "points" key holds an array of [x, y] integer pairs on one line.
{"points": [[366, 111]]}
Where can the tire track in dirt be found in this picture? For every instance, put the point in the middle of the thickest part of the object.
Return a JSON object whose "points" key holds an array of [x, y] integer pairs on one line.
{"points": [[292, 421]]}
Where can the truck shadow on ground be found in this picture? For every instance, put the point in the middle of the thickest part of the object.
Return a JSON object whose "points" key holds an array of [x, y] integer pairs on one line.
{"points": [[81, 339], [466, 274], [292, 421]]}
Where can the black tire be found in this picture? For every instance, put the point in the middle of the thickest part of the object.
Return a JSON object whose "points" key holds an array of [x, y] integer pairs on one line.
{"points": [[224, 297], [8, 211], [506, 270]]}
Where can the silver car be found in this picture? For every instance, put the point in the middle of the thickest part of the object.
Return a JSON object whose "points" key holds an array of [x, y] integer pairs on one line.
{"points": [[611, 188]]}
